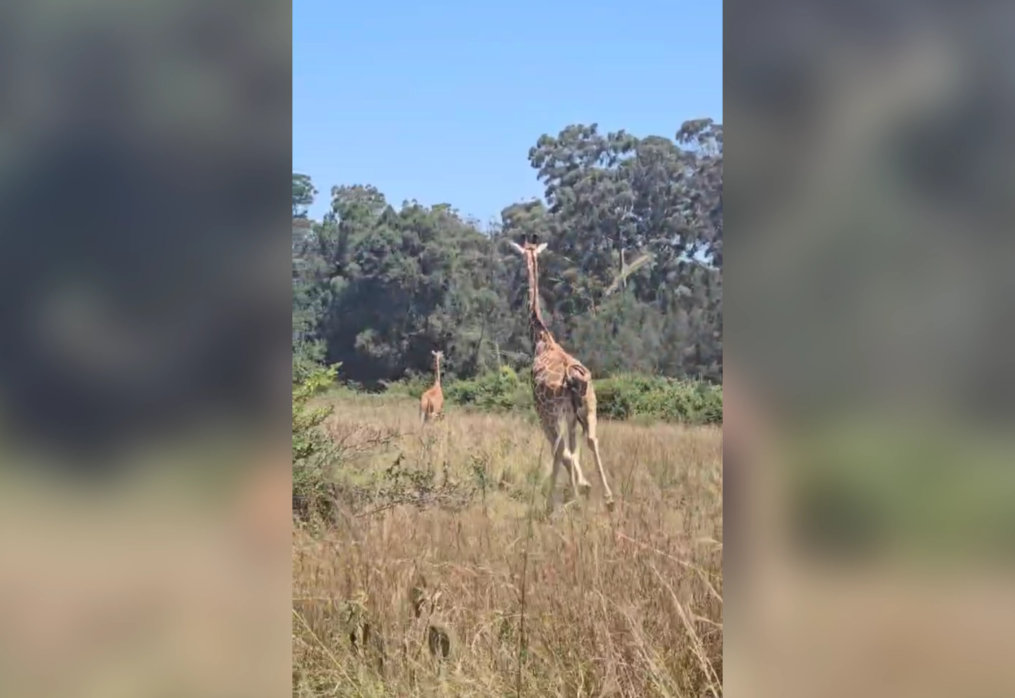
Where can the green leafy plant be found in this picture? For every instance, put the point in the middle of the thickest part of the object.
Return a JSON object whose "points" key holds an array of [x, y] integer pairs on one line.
{"points": [[311, 446]]}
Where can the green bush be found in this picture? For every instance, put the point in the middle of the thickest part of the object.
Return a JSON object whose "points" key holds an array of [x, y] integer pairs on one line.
{"points": [[495, 391], [305, 362], [311, 446], [621, 397], [413, 387], [666, 399]]}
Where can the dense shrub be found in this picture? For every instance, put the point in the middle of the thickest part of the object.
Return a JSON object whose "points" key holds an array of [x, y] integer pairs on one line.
{"points": [[412, 387], [630, 396], [621, 397], [496, 391], [311, 445]]}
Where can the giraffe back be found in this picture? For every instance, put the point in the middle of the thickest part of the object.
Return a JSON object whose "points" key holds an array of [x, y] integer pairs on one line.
{"points": [[432, 401], [561, 383]]}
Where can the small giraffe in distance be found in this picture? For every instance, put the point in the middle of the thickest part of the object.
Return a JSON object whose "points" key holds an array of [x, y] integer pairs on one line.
{"points": [[563, 393], [432, 402]]}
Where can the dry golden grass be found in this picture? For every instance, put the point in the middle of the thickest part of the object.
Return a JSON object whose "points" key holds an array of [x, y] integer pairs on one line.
{"points": [[585, 603]]}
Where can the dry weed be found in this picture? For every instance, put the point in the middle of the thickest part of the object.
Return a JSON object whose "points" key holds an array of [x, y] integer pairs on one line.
{"points": [[586, 604]]}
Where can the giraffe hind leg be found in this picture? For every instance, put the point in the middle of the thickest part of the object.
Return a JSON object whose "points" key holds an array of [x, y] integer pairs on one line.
{"points": [[569, 460], [589, 425], [558, 448]]}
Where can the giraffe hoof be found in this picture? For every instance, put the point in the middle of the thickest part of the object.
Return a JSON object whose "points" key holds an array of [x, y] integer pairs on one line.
{"points": [[610, 504], [585, 488]]}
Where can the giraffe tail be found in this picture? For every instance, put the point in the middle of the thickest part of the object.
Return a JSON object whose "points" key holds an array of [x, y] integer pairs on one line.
{"points": [[577, 379]]}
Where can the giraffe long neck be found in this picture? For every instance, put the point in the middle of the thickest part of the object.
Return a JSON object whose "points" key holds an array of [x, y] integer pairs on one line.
{"points": [[537, 328]]}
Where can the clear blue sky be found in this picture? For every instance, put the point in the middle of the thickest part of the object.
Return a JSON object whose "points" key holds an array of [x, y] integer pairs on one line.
{"points": [[441, 101]]}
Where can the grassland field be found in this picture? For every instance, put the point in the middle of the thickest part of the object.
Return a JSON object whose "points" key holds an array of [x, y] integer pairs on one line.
{"points": [[581, 603]]}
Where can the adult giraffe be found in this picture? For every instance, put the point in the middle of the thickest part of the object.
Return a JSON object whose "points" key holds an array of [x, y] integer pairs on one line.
{"points": [[562, 391]]}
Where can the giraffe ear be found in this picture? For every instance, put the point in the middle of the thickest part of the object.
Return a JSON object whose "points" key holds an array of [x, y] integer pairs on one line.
{"points": [[541, 247], [517, 247]]}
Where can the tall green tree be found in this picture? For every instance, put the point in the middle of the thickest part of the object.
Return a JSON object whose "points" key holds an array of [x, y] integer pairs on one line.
{"points": [[632, 280]]}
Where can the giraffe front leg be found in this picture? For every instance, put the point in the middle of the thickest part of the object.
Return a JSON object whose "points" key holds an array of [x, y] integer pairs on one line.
{"points": [[567, 462], [563, 459], [551, 497], [578, 481], [555, 438]]}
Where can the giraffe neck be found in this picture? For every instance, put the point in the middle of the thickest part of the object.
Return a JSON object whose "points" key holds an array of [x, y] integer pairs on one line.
{"points": [[541, 337], [437, 382]]}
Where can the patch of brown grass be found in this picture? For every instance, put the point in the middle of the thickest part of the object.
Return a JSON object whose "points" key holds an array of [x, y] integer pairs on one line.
{"points": [[585, 603]]}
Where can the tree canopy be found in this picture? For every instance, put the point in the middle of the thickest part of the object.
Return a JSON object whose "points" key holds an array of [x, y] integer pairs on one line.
{"points": [[631, 281]]}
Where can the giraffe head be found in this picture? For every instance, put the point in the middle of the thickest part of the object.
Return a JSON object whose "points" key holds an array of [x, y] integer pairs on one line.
{"points": [[437, 355], [528, 250]]}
